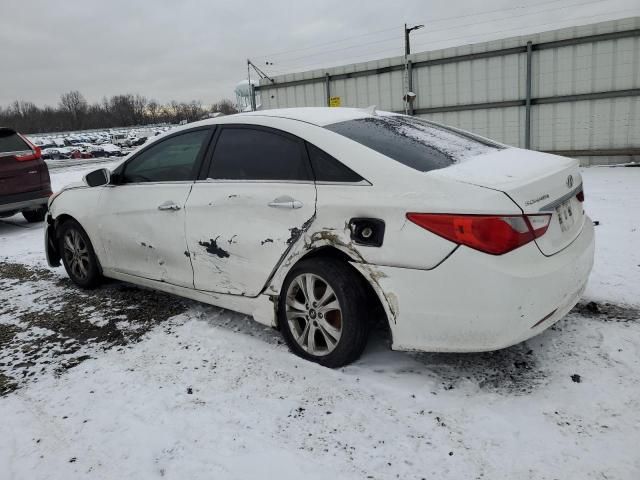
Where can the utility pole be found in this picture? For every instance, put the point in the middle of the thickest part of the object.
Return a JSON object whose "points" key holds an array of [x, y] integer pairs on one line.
{"points": [[261, 75], [251, 94], [407, 31], [407, 72]]}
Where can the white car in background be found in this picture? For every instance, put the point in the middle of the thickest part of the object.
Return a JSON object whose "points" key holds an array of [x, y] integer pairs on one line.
{"points": [[111, 150], [317, 221], [56, 153]]}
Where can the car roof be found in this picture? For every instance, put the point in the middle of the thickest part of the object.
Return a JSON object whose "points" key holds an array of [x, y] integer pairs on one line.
{"points": [[320, 116]]}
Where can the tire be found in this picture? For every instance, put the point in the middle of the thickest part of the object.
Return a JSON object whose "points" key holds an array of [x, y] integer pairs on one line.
{"points": [[78, 256], [333, 331], [33, 216]]}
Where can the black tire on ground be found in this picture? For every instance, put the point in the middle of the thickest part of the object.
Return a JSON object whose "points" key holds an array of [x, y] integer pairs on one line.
{"points": [[351, 318], [33, 216], [77, 255]]}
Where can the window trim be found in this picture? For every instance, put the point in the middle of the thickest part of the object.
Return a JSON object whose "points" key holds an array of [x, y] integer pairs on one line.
{"points": [[119, 170], [361, 182], [206, 164]]}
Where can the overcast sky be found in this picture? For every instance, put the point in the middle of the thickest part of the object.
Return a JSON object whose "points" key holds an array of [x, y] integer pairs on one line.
{"points": [[187, 50]]}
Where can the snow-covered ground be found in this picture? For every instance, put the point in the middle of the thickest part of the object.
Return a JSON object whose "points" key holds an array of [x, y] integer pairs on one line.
{"points": [[126, 383]]}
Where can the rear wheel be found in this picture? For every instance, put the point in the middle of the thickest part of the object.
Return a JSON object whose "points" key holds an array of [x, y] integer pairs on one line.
{"points": [[322, 312], [33, 216], [77, 254]]}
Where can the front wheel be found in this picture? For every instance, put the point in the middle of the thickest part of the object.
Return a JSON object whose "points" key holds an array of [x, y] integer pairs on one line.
{"points": [[77, 254], [322, 312]]}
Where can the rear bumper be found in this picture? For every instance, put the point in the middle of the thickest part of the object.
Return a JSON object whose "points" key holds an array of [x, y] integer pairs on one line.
{"points": [[24, 201], [479, 302]]}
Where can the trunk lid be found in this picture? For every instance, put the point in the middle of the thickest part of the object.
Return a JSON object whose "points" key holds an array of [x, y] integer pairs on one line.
{"points": [[537, 182]]}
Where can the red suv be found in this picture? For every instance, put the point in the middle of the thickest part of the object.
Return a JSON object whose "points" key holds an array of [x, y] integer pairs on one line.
{"points": [[25, 185]]}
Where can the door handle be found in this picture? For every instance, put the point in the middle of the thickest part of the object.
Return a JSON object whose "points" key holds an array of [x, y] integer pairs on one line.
{"points": [[169, 205], [285, 202]]}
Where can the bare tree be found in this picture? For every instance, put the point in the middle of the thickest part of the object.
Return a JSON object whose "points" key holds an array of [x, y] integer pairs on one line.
{"points": [[139, 105], [153, 110], [75, 105], [225, 106], [74, 113]]}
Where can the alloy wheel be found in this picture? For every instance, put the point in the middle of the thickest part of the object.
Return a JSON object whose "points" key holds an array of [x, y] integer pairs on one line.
{"points": [[314, 314], [76, 254]]}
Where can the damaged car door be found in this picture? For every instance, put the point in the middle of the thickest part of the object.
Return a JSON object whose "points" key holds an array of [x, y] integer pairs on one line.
{"points": [[254, 198], [142, 226]]}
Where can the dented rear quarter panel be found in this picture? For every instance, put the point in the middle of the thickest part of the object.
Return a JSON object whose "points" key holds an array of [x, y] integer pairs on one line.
{"points": [[405, 244]]}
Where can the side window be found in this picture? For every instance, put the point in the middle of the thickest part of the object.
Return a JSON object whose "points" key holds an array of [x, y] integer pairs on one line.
{"points": [[253, 154], [170, 160], [328, 169]]}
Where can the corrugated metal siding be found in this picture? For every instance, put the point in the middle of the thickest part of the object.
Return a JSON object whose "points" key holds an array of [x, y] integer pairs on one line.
{"points": [[568, 70], [475, 81], [584, 125], [502, 124], [381, 90]]}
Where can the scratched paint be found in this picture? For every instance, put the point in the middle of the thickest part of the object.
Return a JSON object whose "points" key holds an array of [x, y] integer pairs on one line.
{"points": [[212, 247], [297, 232]]}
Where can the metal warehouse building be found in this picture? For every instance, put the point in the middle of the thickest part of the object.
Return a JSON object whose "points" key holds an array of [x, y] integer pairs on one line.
{"points": [[573, 91]]}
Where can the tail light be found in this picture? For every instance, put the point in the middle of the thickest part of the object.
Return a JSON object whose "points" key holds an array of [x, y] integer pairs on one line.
{"points": [[580, 196], [27, 155], [493, 234]]}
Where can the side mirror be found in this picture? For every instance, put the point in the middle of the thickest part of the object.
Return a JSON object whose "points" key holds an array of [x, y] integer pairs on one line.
{"points": [[97, 178]]}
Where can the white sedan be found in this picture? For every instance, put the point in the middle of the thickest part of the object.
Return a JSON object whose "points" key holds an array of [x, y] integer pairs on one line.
{"points": [[320, 221]]}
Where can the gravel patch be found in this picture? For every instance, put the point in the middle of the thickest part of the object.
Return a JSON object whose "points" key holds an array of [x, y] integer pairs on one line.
{"points": [[48, 325]]}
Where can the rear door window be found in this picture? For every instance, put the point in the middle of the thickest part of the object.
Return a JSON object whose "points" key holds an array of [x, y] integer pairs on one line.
{"points": [[328, 169], [414, 142], [258, 154]]}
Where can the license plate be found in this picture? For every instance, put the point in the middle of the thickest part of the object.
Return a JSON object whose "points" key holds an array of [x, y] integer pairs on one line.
{"points": [[565, 215]]}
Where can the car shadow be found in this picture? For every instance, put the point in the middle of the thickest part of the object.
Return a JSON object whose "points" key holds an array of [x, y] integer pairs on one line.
{"points": [[17, 223], [513, 370], [118, 313]]}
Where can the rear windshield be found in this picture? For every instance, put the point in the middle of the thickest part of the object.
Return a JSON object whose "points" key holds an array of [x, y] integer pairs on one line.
{"points": [[11, 142], [414, 142]]}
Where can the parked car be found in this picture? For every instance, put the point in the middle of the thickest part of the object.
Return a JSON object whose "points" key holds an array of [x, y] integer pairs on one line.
{"points": [[318, 220], [56, 153], [79, 153], [135, 141], [111, 150], [96, 150], [24, 178]]}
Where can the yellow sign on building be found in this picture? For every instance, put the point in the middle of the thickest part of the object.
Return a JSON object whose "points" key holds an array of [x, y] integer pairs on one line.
{"points": [[335, 102]]}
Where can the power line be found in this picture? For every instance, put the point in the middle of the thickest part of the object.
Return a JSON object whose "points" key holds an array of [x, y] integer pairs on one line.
{"points": [[430, 22], [511, 17], [269, 55], [520, 28], [323, 64], [430, 31]]}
